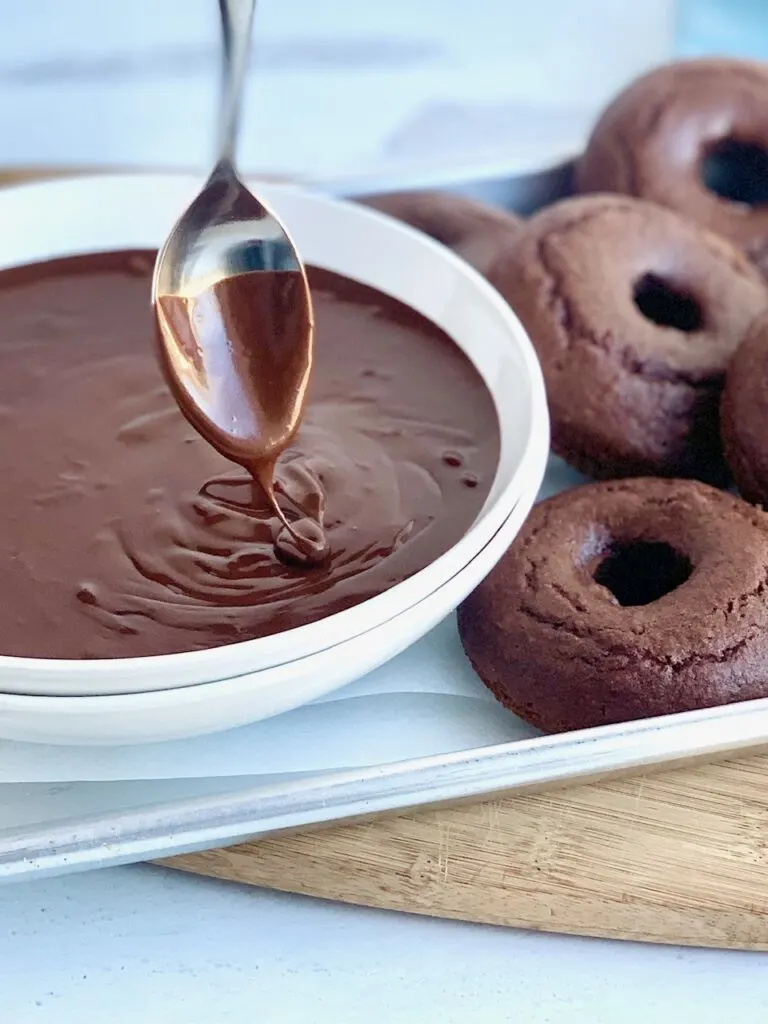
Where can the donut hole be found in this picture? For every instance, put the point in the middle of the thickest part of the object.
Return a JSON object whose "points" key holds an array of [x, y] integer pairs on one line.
{"points": [[667, 305], [641, 572], [737, 171]]}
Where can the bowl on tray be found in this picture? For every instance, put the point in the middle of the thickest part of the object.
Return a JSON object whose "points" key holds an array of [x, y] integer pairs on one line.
{"points": [[183, 712], [90, 214]]}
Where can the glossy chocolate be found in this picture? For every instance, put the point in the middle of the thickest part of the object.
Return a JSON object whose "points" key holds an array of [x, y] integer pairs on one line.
{"points": [[125, 534], [237, 358]]}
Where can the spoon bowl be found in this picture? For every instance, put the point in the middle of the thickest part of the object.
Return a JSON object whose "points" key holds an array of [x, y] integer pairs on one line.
{"points": [[234, 319]]}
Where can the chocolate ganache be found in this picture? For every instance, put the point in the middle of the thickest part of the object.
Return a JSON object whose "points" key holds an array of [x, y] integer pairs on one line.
{"points": [[126, 534]]}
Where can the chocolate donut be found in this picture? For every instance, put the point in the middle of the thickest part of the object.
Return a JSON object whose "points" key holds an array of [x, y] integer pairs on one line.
{"points": [[474, 231], [692, 136], [623, 600], [634, 312], [744, 414]]}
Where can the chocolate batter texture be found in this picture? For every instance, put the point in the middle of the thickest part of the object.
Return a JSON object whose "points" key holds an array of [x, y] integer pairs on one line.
{"points": [[744, 414], [692, 136], [635, 312], [624, 600], [125, 534], [474, 231]]}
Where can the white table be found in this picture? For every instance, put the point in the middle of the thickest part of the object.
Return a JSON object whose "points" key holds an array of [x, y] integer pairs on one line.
{"points": [[144, 945]]}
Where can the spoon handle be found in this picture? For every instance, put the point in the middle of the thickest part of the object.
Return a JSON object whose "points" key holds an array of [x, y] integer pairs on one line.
{"points": [[236, 22]]}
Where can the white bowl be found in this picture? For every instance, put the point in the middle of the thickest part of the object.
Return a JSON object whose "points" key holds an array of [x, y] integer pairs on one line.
{"points": [[211, 707], [47, 220]]}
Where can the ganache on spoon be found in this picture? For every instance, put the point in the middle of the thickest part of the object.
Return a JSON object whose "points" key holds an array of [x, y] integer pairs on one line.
{"points": [[234, 313]]}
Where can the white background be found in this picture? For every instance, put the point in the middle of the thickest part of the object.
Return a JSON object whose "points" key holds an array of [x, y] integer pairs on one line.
{"points": [[146, 946], [340, 88]]}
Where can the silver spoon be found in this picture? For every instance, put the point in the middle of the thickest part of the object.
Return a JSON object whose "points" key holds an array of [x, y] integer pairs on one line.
{"points": [[233, 309]]}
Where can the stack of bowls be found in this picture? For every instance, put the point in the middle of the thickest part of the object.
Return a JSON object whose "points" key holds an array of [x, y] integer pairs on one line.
{"points": [[178, 695]]}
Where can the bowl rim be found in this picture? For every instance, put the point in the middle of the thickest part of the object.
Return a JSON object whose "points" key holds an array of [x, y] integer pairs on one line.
{"points": [[38, 675], [89, 708], [535, 460]]}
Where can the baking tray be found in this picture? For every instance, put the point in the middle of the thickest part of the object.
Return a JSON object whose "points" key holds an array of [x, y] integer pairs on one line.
{"points": [[223, 818], [121, 823]]}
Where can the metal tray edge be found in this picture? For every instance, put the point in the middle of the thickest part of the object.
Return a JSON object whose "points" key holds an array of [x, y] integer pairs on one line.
{"points": [[193, 824]]}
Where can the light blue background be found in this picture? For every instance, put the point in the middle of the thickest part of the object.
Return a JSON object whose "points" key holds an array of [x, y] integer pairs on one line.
{"points": [[735, 27]]}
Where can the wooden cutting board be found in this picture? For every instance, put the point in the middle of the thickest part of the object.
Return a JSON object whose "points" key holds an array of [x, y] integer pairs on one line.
{"points": [[679, 857]]}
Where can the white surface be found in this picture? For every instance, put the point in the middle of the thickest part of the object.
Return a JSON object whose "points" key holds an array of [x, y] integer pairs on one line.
{"points": [[338, 90], [52, 219], [146, 946]]}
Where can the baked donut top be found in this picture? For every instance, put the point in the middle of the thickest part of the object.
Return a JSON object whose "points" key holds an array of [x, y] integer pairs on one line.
{"points": [[589, 264], [744, 414], [664, 571], [635, 312], [472, 229], [693, 136]]}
